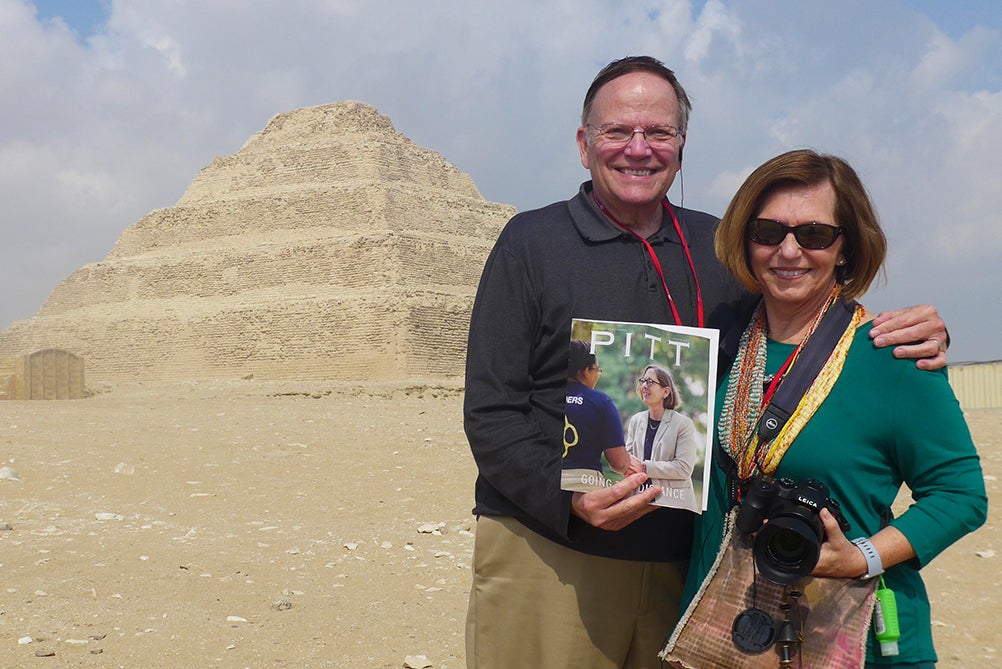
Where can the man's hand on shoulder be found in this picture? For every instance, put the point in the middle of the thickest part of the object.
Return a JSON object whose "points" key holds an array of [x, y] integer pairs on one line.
{"points": [[615, 507], [916, 332]]}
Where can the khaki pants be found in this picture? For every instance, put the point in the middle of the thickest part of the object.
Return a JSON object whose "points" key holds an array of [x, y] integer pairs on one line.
{"points": [[535, 603]]}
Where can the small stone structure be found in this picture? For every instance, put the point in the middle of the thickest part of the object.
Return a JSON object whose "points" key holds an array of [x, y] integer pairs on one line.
{"points": [[329, 247], [49, 374]]}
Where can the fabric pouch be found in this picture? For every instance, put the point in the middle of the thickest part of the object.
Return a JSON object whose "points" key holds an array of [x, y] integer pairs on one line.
{"points": [[830, 616]]}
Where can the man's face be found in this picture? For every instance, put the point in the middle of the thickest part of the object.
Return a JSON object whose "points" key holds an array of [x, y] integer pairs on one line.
{"points": [[633, 178]]}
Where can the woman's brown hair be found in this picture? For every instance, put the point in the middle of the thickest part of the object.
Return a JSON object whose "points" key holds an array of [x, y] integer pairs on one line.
{"points": [[864, 246]]}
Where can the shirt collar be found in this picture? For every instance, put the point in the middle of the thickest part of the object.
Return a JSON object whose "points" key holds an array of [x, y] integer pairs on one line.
{"points": [[594, 226]]}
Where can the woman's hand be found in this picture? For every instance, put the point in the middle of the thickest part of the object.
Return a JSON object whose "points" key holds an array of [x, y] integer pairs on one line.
{"points": [[637, 466], [842, 558], [839, 558]]}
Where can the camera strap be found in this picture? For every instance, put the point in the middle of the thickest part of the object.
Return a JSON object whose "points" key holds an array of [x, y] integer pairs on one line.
{"points": [[809, 363]]}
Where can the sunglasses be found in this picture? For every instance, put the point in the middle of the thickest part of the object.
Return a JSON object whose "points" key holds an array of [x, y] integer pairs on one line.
{"points": [[814, 236]]}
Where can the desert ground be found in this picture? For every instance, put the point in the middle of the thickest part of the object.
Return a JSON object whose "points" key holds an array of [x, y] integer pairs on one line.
{"points": [[292, 524]]}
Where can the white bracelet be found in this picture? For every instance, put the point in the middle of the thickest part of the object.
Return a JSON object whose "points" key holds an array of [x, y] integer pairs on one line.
{"points": [[874, 566]]}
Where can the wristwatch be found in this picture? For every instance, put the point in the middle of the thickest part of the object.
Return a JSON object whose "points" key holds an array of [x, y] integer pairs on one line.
{"points": [[874, 566]]}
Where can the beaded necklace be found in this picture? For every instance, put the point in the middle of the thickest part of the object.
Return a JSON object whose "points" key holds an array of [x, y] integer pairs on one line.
{"points": [[746, 396]]}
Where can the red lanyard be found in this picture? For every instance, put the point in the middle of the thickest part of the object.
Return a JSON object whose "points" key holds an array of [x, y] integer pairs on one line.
{"points": [[778, 378], [657, 263]]}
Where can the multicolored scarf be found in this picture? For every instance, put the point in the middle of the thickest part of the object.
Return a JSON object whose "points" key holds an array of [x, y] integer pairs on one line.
{"points": [[746, 395]]}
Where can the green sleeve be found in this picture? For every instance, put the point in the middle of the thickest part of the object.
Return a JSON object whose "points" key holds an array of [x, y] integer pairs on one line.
{"points": [[938, 461]]}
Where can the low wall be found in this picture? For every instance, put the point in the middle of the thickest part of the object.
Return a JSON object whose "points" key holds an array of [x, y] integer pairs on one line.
{"points": [[978, 385]]}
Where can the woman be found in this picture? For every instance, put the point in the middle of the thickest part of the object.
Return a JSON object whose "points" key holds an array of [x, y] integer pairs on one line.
{"points": [[802, 231], [663, 442], [591, 426]]}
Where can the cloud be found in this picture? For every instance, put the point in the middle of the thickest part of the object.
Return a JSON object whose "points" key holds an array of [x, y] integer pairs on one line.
{"points": [[96, 133], [969, 175], [713, 22], [945, 60]]}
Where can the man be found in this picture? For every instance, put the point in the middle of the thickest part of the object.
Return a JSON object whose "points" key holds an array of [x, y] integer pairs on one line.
{"points": [[592, 579]]}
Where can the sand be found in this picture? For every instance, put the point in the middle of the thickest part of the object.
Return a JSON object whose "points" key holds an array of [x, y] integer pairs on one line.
{"points": [[292, 524]]}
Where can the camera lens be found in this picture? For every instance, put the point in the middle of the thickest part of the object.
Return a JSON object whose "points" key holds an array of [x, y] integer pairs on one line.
{"points": [[786, 549]]}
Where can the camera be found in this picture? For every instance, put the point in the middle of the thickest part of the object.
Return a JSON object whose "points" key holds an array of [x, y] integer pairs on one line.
{"points": [[786, 547]]}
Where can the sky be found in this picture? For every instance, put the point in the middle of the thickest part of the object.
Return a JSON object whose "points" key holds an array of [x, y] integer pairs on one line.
{"points": [[109, 109]]}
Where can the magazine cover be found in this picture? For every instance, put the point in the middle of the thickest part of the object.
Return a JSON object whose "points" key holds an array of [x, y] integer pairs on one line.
{"points": [[640, 397]]}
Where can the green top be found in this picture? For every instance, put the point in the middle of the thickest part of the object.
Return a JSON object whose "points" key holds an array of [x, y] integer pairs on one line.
{"points": [[885, 423]]}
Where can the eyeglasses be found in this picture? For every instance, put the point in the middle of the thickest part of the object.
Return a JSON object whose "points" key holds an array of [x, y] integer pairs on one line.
{"points": [[813, 236], [617, 135], [649, 382]]}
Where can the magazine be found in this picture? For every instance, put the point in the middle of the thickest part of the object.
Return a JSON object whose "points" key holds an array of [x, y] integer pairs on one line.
{"points": [[640, 397]]}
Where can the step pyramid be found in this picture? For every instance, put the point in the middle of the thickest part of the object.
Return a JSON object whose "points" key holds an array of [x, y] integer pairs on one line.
{"points": [[329, 246]]}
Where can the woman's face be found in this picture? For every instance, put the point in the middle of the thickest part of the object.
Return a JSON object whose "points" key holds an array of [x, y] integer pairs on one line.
{"points": [[790, 275], [651, 391]]}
